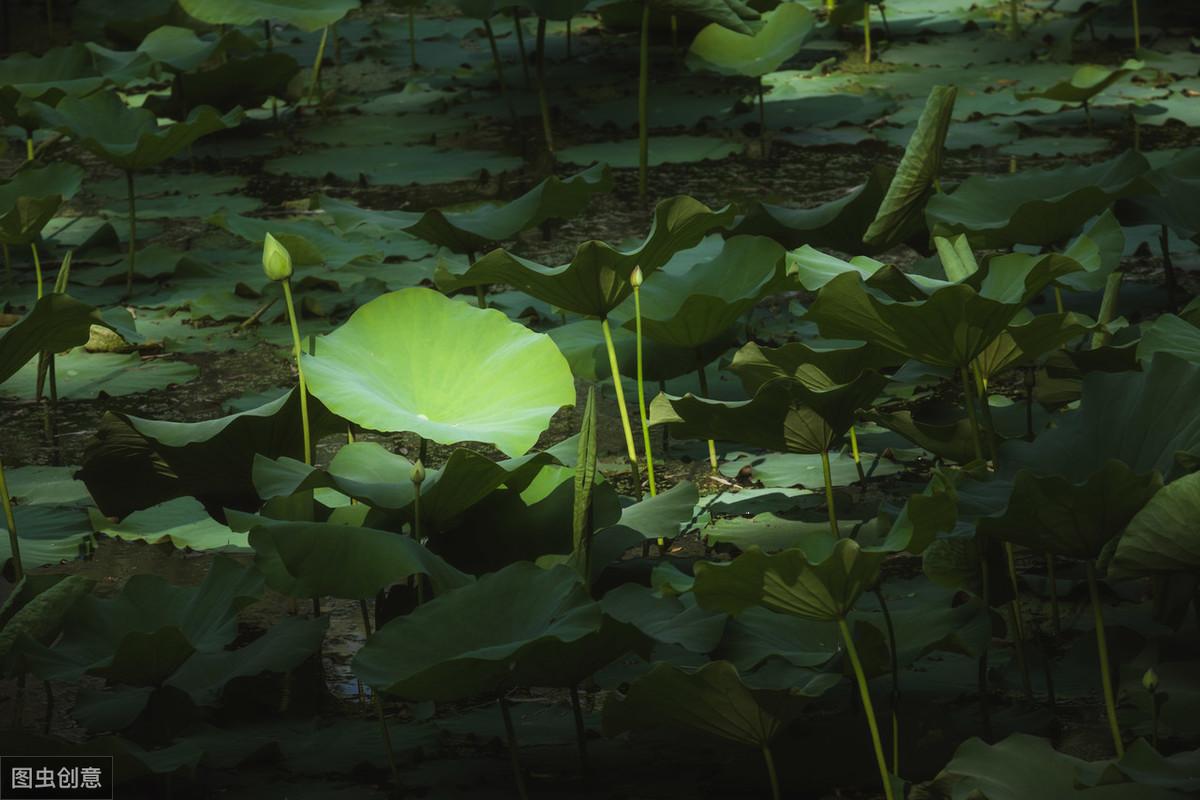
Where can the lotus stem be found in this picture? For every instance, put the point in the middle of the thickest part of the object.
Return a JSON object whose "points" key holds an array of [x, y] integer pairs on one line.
{"points": [[1137, 29], [829, 504], [1014, 608], [580, 730], [10, 522], [985, 590], [8, 270], [513, 753], [625, 426], [830, 5], [862, 475], [543, 103], [969, 402], [762, 115], [894, 665], [132, 234], [499, 67], [641, 390], [1058, 299], [1110, 704], [296, 350], [675, 35], [412, 37], [865, 692], [316, 69], [643, 100], [1014, 20], [1164, 235], [1108, 309], [769, 760], [37, 269], [516, 14], [1087, 115], [867, 33], [1054, 617], [387, 740], [568, 39], [712, 446], [29, 148], [49, 707], [666, 434]]}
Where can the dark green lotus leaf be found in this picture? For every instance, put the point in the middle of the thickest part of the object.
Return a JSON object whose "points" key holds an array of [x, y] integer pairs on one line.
{"points": [[521, 626], [757, 636], [769, 532], [953, 441], [1169, 334], [923, 517], [839, 224], [782, 34], [1035, 207], [784, 414], [1098, 249], [900, 214], [182, 522], [1027, 342], [248, 82], [42, 616], [813, 364], [558, 10], [57, 322], [479, 226], [182, 50], [1144, 765], [666, 619], [597, 279], [136, 463], [313, 559], [47, 535], [790, 582], [690, 306], [415, 360], [1050, 514], [308, 241], [307, 15], [1084, 84], [712, 701], [813, 269], [949, 328], [731, 14], [32, 197], [582, 344], [130, 138], [1024, 767], [1174, 203], [1162, 537], [61, 71]]}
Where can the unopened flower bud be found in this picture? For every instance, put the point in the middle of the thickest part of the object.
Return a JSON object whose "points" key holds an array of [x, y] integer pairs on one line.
{"points": [[635, 280], [1150, 680], [417, 475], [276, 260]]}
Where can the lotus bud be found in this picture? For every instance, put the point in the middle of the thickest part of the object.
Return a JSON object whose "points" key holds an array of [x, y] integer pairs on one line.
{"points": [[417, 475], [1150, 681], [635, 280], [277, 261]]}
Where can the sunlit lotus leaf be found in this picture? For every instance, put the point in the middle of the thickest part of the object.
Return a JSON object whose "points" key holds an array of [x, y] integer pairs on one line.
{"points": [[790, 582], [900, 214], [32, 197], [521, 626], [582, 343], [1084, 84], [782, 34], [415, 360], [1035, 207], [182, 522], [597, 279], [307, 15], [130, 138], [478, 226], [1162, 537]]}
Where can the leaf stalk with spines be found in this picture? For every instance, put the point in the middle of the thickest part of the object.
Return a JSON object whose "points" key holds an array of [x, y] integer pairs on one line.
{"points": [[631, 449], [865, 693], [712, 445], [635, 281], [316, 68], [1110, 704]]}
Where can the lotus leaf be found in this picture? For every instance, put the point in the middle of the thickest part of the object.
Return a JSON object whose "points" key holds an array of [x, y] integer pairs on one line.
{"points": [[1162, 536], [1043, 207], [597, 279], [307, 15], [57, 322], [474, 228], [183, 522], [731, 14], [84, 376], [520, 626], [666, 619], [307, 241], [32, 198], [782, 34], [42, 616], [1170, 334], [812, 365], [1084, 84], [415, 360]]}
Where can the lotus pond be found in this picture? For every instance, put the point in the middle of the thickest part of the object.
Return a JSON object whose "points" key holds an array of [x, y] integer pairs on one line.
{"points": [[635, 399]]}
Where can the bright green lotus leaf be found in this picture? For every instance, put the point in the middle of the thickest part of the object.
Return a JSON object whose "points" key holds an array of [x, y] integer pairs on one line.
{"points": [[695, 304], [1084, 84], [130, 138], [1170, 334], [838, 224], [818, 586], [476, 227], [812, 363], [666, 619], [1024, 767], [183, 522], [782, 34], [314, 559], [949, 328], [307, 15], [135, 463], [597, 279], [42, 616], [521, 626], [1162, 537], [900, 214], [415, 360], [712, 700], [1049, 514], [32, 197], [1035, 207], [56, 322], [796, 415]]}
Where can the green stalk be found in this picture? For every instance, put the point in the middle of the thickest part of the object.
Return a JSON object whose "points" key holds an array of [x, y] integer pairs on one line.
{"points": [[1110, 704], [580, 730], [513, 753], [37, 269], [969, 402], [865, 692], [412, 36], [512, 111], [986, 595], [1108, 309], [643, 100], [1137, 29], [9, 521], [762, 114], [833, 523], [132, 234], [29, 148], [866, 33], [516, 14], [291, 309], [387, 740], [1014, 21], [712, 446], [1054, 618], [8, 270], [625, 426], [894, 666], [568, 39], [862, 475], [543, 103], [641, 390], [986, 408], [316, 68], [1014, 608], [769, 760]]}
